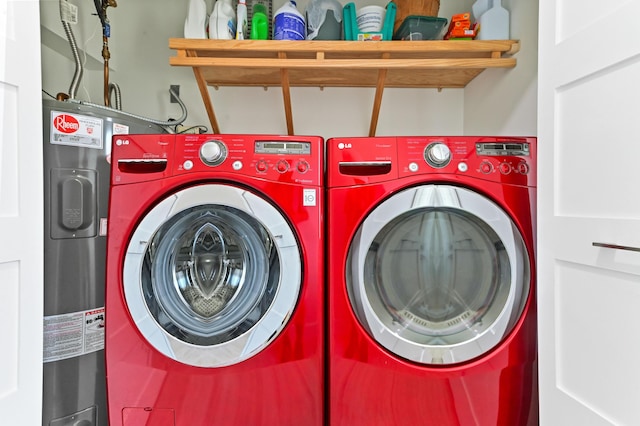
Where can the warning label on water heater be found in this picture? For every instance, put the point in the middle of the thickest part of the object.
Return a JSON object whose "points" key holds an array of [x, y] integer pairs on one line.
{"points": [[74, 334], [76, 130]]}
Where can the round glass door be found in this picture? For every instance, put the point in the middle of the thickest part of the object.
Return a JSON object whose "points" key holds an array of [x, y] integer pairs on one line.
{"points": [[204, 275], [438, 274]]}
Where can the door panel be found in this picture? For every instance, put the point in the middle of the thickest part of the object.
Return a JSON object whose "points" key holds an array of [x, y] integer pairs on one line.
{"points": [[587, 155], [21, 213], [576, 374], [591, 155]]}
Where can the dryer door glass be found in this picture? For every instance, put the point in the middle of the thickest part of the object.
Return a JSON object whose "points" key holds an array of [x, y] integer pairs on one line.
{"points": [[204, 275], [438, 274]]}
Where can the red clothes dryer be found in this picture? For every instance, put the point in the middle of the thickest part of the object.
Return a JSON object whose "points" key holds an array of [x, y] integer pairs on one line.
{"points": [[431, 260], [214, 298]]}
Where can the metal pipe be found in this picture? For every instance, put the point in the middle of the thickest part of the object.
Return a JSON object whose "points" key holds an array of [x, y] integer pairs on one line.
{"points": [[114, 88], [106, 56], [77, 75], [150, 120]]}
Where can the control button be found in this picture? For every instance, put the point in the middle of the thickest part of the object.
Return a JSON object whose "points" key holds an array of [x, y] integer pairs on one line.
{"points": [[437, 155], [261, 166], [303, 166], [413, 167], [463, 167], [282, 166], [505, 168], [237, 165], [213, 153], [486, 167], [188, 165], [523, 168]]}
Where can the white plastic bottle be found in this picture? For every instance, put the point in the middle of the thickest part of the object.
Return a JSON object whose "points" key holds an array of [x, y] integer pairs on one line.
{"points": [[289, 23], [494, 23], [222, 21], [241, 31], [195, 23]]}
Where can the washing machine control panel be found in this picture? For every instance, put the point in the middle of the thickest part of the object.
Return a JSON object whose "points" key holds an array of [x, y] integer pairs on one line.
{"points": [[292, 159]]}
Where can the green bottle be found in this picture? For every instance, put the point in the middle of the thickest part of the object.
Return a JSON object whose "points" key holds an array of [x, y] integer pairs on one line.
{"points": [[259, 22]]}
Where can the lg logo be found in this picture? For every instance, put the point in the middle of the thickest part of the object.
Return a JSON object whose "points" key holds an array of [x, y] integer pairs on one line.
{"points": [[342, 145], [122, 142]]}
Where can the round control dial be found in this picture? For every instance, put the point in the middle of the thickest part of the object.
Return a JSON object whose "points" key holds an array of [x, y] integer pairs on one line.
{"points": [[302, 166], [213, 153], [282, 166], [505, 168], [262, 166], [523, 168], [437, 155], [486, 167]]}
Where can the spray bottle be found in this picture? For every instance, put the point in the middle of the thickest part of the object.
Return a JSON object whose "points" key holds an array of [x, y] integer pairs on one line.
{"points": [[241, 31]]}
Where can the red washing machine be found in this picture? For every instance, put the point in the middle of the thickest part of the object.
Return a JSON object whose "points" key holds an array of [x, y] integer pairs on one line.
{"points": [[215, 282], [431, 275]]}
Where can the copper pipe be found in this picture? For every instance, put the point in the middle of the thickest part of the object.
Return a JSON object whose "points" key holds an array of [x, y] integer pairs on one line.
{"points": [[106, 33], [106, 56]]}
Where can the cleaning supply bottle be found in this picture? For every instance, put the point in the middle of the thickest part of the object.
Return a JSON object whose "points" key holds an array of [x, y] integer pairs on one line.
{"points": [[196, 21], [241, 16], [324, 20], [259, 22], [494, 23], [288, 23], [222, 21]]}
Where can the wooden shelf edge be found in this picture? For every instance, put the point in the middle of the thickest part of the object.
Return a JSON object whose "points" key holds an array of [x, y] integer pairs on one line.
{"points": [[337, 64], [342, 63], [395, 46]]}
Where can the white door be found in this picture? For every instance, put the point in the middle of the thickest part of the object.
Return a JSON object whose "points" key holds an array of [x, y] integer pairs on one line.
{"points": [[21, 215], [589, 186]]}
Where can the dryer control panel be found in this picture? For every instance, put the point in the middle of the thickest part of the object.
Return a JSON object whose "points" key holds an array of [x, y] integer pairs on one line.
{"points": [[508, 160], [502, 159]]}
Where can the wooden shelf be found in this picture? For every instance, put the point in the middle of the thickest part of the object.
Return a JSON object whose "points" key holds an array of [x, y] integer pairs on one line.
{"points": [[266, 63]]}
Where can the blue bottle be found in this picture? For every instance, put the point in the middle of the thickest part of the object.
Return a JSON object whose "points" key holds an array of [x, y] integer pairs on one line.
{"points": [[289, 23]]}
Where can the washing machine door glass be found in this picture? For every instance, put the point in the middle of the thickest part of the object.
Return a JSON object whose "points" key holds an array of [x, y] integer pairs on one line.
{"points": [[438, 274], [211, 275]]}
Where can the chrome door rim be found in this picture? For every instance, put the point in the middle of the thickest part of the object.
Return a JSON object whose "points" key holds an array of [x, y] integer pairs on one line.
{"points": [[392, 336], [267, 328]]}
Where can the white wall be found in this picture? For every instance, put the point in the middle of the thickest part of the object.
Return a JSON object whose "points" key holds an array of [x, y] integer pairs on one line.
{"points": [[140, 66], [504, 101]]}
